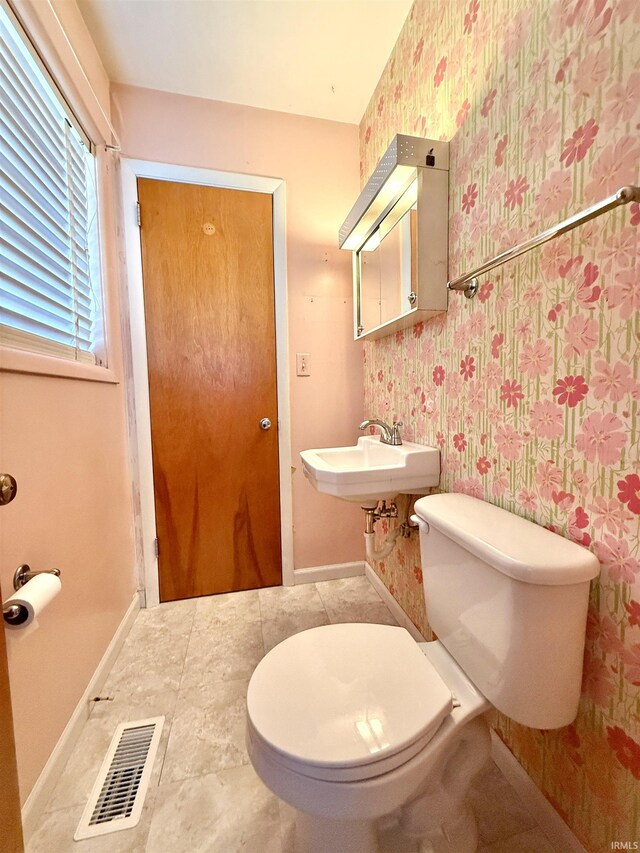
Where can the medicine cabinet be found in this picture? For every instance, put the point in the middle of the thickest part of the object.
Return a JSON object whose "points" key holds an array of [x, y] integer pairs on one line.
{"points": [[398, 233]]}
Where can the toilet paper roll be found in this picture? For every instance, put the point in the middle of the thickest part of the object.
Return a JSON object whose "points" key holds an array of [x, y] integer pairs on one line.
{"points": [[32, 598]]}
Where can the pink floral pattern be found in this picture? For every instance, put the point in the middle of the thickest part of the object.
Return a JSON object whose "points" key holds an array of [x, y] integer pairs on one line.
{"points": [[532, 390], [576, 147]]}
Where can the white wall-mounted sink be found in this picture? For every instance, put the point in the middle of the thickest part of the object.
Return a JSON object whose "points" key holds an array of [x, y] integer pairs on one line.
{"points": [[371, 471]]}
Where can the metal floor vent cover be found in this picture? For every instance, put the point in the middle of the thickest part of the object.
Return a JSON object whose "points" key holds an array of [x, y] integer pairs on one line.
{"points": [[118, 794]]}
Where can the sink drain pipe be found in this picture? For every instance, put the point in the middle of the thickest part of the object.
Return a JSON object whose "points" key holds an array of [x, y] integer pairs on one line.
{"points": [[370, 546], [396, 509]]}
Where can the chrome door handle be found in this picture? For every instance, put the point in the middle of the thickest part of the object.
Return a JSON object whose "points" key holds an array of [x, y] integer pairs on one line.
{"points": [[265, 423]]}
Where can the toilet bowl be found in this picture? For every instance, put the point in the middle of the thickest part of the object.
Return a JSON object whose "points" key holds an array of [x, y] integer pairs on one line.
{"points": [[354, 723]]}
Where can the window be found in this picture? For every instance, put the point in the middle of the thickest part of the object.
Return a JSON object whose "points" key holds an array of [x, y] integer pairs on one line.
{"points": [[50, 294]]}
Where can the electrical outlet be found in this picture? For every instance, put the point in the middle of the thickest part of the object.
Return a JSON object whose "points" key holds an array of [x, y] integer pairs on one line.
{"points": [[302, 364]]}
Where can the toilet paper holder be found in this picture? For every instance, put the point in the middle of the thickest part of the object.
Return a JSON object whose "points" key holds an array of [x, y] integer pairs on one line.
{"points": [[23, 575], [13, 613]]}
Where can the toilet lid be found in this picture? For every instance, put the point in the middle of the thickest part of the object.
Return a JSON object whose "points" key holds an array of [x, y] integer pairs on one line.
{"points": [[346, 695]]}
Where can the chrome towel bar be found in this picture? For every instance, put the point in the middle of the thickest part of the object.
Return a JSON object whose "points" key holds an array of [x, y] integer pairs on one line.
{"points": [[468, 283]]}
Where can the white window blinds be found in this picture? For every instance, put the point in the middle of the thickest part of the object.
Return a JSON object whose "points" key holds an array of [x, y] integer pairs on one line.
{"points": [[49, 265]]}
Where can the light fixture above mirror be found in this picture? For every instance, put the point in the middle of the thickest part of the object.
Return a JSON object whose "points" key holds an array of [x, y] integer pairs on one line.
{"points": [[398, 233]]}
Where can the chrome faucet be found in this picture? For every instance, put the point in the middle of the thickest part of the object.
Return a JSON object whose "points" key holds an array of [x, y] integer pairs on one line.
{"points": [[390, 434]]}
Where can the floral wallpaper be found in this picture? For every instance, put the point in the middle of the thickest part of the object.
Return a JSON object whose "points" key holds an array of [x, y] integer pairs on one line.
{"points": [[531, 390]]}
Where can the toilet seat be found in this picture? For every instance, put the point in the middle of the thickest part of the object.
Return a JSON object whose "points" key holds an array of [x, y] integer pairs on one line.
{"points": [[354, 773], [346, 702]]}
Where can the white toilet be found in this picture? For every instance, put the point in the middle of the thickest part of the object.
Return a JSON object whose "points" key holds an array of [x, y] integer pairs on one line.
{"points": [[353, 724]]}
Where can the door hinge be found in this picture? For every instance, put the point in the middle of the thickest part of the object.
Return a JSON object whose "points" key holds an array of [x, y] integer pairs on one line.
{"points": [[138, 215], [156, 547]]}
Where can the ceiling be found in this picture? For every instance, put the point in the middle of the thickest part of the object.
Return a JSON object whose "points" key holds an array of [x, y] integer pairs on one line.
{"points": [[319, 58]]}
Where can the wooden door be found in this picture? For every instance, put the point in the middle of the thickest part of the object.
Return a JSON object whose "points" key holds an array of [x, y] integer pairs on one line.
{"points": [[10, 820], [207, 261]]}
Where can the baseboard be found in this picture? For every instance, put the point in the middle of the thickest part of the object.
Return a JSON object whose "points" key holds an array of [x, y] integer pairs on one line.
{"points": [[397, 612], [548, 819], [43, 789], [315, 574]]}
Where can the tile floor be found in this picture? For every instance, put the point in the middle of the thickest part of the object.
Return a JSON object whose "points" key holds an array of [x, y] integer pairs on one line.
{"points": [[191, 661]]}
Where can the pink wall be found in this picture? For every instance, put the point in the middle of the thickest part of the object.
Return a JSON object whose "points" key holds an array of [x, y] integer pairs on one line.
{"points": [[319, 162], [65, 442], [531, 390]]}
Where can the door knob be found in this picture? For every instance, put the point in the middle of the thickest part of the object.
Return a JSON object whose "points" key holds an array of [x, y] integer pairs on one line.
{"points": [[265, 423], [8, 489]]}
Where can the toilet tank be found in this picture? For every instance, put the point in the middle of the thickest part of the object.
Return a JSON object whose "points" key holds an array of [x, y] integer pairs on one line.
{"points": [[509, 601]]}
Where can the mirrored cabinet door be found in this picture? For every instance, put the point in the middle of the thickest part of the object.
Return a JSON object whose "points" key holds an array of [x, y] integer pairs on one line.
{"points": [[398, 231]]}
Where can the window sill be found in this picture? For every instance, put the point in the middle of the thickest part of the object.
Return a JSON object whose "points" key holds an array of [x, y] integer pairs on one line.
{"points": [[19, 361]]}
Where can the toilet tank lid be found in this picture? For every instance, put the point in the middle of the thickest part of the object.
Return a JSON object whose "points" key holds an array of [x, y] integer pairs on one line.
{"points": [[511, 544]]}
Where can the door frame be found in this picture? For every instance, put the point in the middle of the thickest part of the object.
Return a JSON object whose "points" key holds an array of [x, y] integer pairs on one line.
{"points": [[11, 818], [140, 420]]}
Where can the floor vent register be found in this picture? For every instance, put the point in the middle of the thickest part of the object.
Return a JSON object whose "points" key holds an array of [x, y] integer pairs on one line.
{"points": [[118, 794]]}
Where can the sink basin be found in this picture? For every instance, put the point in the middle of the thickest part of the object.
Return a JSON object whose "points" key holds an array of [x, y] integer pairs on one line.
{"points": [[371, 471]]}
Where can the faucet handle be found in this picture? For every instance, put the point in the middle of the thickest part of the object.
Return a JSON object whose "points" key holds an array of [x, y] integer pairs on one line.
{"points": [[396, 439]]}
